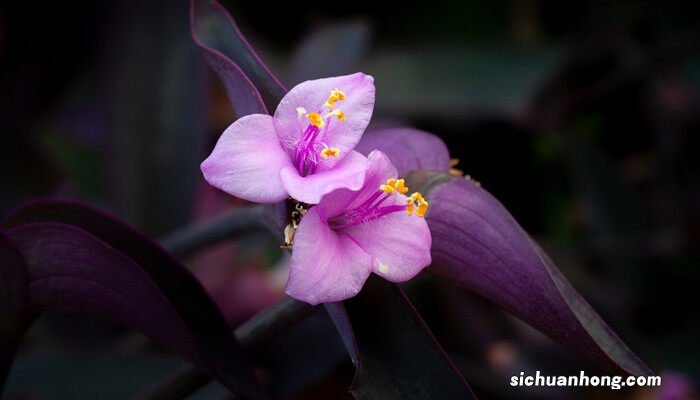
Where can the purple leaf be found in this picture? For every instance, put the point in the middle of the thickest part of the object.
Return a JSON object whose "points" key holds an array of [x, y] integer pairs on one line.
{"points": [[408, 149], [478, 245], [394, 352], [14, 295], [232, 57], [83, 260], [244, 97]]}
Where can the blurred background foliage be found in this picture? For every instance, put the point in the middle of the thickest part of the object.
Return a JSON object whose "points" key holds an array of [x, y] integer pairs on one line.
{"points": [[582, 118]]}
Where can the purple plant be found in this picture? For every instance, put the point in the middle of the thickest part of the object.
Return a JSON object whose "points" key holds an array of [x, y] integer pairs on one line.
{"points": [[342, 203]]}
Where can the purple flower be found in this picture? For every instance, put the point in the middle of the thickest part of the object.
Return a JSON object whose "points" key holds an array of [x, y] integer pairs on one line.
{"points": [[350, 234], [304, 151]]}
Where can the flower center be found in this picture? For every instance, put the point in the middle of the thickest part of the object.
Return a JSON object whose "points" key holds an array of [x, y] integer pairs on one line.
{"points": [[376, 206], [312, 140]]}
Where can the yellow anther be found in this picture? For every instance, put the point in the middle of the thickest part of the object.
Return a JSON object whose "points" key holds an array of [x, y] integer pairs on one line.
{"points": [[422, 209], [389, 187], [338, 93], [300, 111], [410, 206], [330, 152], [401, 186], [315, 119], [336, 113], [335, 96], [392, 185], [339, 114], [416, 198]]}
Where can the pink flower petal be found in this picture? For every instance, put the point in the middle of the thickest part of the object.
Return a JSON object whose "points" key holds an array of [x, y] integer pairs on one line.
{"points": [[348, 173], [398, 243], [312, 95], [247, 160], [379, 169], [325, 266]]}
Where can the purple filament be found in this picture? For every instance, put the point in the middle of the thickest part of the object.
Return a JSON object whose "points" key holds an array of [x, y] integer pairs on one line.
{"points": [[305, 152], [369, 210]]}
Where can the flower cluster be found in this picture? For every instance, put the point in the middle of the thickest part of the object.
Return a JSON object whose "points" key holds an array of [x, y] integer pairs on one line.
{"points": [[353, 216]]}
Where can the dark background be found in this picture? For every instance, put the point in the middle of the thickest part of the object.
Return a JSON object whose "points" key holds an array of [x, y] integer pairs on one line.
{"points": [[582, 118]]}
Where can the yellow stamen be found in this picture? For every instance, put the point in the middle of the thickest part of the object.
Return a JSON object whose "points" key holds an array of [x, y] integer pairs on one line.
{"points": [[422, 209], [339, 114], [330, 152], [416, 198], [401, 186], [336, 113], [335, 96], [455, 171], [387, 189], [338, 93], [315, 119], [410, 206], [414, 203]]}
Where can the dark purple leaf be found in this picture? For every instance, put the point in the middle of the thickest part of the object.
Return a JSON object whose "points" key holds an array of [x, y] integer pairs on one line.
{"points": [[107, 269], [14, 295], [478, 245], [244, 97], [250, 85], [395, 354], [331, 50], [234, 60], [408, 149]]}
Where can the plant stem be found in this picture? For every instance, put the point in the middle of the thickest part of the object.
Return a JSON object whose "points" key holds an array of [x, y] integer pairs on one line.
{"points": [[259, 329], [233, 223]]}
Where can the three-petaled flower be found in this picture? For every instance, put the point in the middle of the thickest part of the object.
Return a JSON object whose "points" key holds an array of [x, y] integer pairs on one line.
{"points": [[350, 234], [304, 151], [361, 220]]}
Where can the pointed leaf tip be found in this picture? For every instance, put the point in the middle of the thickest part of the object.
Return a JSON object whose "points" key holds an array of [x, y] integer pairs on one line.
{"points": [[252, 88]]}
